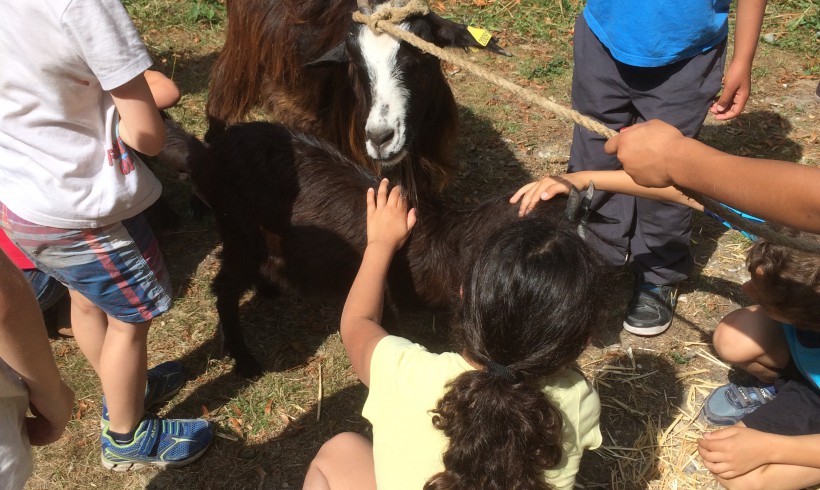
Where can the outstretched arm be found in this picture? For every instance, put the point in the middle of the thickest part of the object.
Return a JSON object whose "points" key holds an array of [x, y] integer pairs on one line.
{"points": [[24, 347], [737, 81], [655, 154], [605, 180], [388, 226]]}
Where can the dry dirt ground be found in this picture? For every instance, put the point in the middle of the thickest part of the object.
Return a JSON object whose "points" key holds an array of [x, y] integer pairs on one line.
{"points": [[269, 429]]}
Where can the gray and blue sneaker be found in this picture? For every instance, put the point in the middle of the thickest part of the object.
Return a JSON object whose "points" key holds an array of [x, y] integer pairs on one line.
{"points": [[164, 382], [728, 404], [158, 442]]}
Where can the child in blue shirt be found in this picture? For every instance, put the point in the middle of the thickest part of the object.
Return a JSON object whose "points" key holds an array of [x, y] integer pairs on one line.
{"points": [[636, 61], [775, 424]]}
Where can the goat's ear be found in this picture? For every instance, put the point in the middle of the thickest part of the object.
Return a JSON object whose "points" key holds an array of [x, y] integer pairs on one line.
{"points": [[579, 210], [334, 56], [447, 33], [573, 209]]}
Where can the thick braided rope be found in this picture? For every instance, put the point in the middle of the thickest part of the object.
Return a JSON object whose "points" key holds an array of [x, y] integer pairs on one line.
{"points": [[385, 20], [388, 26], [395, 14]]}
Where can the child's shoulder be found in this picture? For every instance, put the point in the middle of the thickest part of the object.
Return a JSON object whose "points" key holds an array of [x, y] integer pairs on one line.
{"points": [[571, 388], [399, 353]]}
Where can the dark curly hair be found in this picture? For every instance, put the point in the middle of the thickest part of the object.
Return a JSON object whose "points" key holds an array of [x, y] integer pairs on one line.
{"points": [[787, 280], [529, 304]]}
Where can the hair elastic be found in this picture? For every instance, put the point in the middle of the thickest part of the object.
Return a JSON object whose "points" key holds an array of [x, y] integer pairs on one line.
{"points": [[499, 371]]}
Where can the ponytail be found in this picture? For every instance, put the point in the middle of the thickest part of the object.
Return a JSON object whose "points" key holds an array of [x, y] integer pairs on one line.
{"points": [[502, 434]]}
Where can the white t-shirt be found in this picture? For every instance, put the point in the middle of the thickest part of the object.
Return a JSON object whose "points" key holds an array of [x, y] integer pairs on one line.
{"points": [[60, 163], [15, 450], [406, 382]]}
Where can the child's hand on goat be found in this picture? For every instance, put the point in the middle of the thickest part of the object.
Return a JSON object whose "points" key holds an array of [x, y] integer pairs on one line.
{"points": [[544, 190], [388, 220]]}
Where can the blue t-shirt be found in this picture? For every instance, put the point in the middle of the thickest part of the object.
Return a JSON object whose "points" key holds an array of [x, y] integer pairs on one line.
{"points": [[657, 32], [804, 346]]}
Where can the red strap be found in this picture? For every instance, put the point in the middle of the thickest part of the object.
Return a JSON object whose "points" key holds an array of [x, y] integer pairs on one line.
{"points": [[21, 261]]}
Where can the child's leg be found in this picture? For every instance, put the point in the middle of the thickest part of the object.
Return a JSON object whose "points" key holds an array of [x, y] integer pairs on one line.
{"points": [[123, 367], [752, 341], [344, 462], [118, 353], [89, 323]]}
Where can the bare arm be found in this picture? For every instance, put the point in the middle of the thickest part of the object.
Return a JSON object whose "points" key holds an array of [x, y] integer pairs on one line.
{"points": [[737, 82], [388, 226], [24, 347], [141, 126], [655, 154], [165, 92], [737, 451], [605, 180]]}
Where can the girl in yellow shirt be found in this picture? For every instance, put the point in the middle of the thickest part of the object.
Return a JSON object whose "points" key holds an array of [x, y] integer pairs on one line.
{"points": [[504, 411]]}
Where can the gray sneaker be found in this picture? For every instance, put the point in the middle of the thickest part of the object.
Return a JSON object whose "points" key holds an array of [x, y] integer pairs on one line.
{"points": [[651, 309]]}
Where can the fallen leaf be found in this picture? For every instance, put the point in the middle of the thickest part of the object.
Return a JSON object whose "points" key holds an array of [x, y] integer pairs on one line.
{"points": [[82, 408], [268, 406]]}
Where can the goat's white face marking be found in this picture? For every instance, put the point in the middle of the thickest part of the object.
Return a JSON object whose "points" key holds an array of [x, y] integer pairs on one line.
{"points": [[385, 129]]}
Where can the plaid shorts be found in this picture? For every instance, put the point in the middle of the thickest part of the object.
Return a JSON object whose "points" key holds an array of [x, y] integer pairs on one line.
{"points": [[117, 267]]}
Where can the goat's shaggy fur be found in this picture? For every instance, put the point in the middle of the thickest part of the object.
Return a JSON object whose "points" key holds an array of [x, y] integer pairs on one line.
{"points": [[302, 61], [291, 213]]}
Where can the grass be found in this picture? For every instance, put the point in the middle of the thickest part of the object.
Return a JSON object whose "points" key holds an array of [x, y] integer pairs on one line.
{"points": [[269, 429], [531, 19]]}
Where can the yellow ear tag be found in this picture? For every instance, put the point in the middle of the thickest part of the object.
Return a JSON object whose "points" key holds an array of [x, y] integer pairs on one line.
{"points": [[480, 35]]}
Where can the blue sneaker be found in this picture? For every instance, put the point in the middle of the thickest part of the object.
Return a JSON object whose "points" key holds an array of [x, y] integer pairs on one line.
{"points": [[728, 404], [158, 442], [164, 382]]}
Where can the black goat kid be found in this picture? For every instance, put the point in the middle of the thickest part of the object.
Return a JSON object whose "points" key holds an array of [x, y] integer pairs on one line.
{"points": [[291, 213]]}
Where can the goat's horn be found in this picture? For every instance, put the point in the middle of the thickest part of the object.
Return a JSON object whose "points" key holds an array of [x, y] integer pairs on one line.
{"points": [[364, 6]]}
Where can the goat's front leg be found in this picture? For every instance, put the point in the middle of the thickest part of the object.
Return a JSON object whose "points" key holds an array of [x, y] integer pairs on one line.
{"points": [[228, 289]]}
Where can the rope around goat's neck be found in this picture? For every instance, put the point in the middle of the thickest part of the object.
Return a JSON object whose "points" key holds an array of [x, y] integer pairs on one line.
{"points": [[384, 21], [393, 14], [388, 26]]}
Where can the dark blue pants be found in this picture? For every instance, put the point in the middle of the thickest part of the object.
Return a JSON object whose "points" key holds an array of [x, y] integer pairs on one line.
{"points": [[650, 235]]}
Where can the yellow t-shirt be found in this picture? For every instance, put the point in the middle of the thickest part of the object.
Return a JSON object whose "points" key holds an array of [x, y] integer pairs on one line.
{"points": [[406, 381]]}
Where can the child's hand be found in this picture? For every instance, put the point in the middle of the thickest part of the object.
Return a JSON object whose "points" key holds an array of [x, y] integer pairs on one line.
{"points": [[733, 451], [51, 412], [543, 190], [388, 221], [737, 85]]}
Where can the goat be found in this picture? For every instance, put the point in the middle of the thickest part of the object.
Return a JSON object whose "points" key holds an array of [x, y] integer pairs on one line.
{"points": [[384, 104], [290, 210]]}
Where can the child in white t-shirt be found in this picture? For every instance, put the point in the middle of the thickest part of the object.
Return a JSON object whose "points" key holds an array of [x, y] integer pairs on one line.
{"points": [[76, 104]]}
